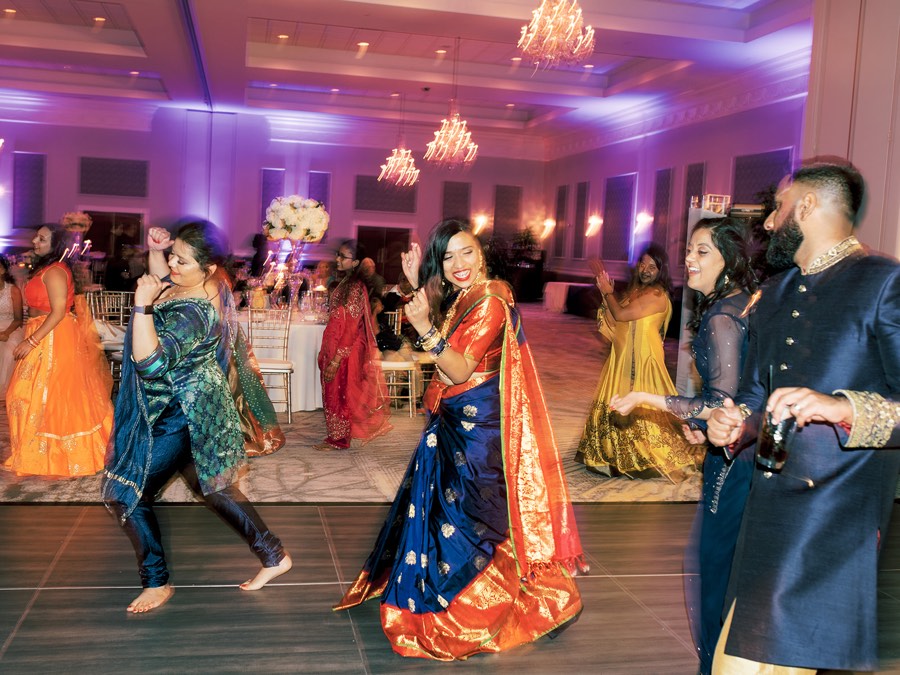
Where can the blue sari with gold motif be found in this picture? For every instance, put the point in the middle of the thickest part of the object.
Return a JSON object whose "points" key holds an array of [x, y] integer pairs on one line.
{"points": [[479, 547]]}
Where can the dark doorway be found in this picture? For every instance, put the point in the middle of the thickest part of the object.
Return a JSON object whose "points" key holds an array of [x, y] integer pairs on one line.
{"points": [[384, 245]]}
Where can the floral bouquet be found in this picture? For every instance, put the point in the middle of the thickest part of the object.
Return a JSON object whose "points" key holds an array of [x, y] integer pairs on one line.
{"points": [[295, 218], [76, 221]]}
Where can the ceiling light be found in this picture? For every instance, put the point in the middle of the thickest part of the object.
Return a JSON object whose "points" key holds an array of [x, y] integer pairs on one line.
{"points": [[588, 66], [452, 145], [9, 11], [510, 105], [99, 19], [362, 48], [134, 72], [395, 94], [399, 169], [440, 51], [335, 90], [362, 44], [272, 84], [516, 59], [556, 34], [283, 36]]}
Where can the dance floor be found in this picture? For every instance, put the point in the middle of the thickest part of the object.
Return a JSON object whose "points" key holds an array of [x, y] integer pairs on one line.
{"points": [[67, 572]]}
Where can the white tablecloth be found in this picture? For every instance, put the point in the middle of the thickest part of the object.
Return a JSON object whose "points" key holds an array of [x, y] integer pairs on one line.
{"points": [[555, 293], [304, 342]]}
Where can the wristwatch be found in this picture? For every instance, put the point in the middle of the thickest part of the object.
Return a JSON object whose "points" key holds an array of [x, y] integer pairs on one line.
{"points": [[143, 309]]}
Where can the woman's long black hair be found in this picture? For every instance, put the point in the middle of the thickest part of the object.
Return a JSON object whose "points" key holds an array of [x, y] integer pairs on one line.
{"points": [[663, 279], [732, 239], [59, 241], [431, 272]]}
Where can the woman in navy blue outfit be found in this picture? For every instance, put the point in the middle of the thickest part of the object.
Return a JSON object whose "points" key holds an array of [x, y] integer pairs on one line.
{"points": [[718, 269]]}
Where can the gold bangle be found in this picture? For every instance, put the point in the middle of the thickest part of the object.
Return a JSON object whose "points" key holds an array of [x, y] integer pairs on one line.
{"points": [[431, 342]]}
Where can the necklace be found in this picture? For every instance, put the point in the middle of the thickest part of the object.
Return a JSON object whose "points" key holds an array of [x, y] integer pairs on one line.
{"points": [[451, 313], [183, 291]]}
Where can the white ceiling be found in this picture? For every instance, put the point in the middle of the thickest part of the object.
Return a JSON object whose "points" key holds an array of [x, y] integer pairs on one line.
{"points": [[225, 55]]}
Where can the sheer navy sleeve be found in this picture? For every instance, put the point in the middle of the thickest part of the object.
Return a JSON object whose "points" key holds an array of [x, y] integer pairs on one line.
{"points": [[719, 349]]}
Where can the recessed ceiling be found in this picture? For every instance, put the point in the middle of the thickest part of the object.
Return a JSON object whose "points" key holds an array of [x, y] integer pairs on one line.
{"points": [[232, 56]]}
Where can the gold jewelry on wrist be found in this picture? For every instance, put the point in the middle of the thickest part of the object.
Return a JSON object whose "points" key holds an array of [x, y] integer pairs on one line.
{"points": [[745, 411], [431, 342], [34, 343]]}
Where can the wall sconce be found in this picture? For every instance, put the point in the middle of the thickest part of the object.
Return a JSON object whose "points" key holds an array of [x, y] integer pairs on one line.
{"points": [[594, 224], [481, 221], [549, 225], [642, 222]]}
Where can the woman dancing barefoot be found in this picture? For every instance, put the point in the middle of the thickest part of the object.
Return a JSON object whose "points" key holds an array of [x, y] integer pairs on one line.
{"points": [[175, 412]]}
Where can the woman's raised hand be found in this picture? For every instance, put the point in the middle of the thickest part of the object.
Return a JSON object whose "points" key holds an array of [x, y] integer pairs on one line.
{"points": [[411, 261], [418, 312], [148, 288], [158, 239], [604, 283], [601, 276]]}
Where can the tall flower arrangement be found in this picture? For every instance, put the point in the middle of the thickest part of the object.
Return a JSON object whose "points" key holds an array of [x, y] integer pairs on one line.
{"points": [[296, 218], [76, 221]]}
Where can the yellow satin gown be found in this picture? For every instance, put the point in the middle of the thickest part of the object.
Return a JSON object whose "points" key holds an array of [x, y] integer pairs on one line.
{"points": [[647, 442]]}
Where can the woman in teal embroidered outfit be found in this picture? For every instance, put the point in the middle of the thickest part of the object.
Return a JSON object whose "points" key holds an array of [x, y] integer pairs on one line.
{"points": [[176, 412]]}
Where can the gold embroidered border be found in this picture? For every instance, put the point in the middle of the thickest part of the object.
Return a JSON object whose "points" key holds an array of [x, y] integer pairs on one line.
{"points": [[874, 419], [834, 255]]}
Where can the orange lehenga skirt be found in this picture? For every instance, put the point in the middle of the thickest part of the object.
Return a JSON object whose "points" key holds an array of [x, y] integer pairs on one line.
{"points": [[58, 402]]}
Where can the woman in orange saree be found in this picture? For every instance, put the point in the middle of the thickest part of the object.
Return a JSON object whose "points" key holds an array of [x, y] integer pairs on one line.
{"points": [[58, 401], [480, 546]]}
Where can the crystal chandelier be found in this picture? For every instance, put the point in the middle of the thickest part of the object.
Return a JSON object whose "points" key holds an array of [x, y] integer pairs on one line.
{"points": [[556, 35], [452, 145], [400, 168]]}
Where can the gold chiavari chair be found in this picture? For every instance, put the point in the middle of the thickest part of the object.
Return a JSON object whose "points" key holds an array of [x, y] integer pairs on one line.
{"points": [[268, 331]]}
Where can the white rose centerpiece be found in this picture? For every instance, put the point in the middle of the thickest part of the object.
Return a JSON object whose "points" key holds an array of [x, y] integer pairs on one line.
{"points": [[76, 221], [296, 218]]}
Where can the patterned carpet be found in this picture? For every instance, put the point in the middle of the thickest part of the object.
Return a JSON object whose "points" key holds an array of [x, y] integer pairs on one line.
{"points": [[569, 356]]}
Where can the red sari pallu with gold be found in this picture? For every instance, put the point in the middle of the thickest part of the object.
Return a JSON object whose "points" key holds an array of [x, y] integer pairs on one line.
{"points": [[355, 401], [480, 546], [58, 401]]}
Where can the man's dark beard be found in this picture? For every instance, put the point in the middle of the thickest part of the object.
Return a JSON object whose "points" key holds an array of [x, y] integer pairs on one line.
{"points": [[783, 245]]}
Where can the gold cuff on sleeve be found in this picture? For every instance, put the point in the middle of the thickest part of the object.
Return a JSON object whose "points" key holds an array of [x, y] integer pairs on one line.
{"points": [[874, 418]]}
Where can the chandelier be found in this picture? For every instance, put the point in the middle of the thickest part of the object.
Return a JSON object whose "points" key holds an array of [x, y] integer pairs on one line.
{"points": [[556, 35], [400, 168], [452, 145]]}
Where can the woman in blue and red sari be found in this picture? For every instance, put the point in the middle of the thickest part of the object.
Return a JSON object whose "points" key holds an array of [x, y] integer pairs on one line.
{"points": [[480, 547]]}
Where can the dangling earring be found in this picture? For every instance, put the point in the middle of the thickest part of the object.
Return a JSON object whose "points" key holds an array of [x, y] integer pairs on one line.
{"points": [[726, 280]]}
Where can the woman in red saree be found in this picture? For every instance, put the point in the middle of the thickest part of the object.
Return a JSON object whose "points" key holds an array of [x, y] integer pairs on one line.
{"points": [[58, 401], [354, 393], [480, 547]]}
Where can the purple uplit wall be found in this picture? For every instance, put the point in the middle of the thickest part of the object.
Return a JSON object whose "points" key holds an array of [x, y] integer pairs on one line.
{"points": [[715, 143], [208, 165]]}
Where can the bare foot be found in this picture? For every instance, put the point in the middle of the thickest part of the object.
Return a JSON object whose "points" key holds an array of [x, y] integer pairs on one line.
{"points": [[266, 574], [151, 598]]}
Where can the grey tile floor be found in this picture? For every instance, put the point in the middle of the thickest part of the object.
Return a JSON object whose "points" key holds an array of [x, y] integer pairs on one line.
{"points": [[67, 573]]}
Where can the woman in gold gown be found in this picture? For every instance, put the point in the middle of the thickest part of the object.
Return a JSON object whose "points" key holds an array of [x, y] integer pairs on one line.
{"points": [[647, 442]]}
